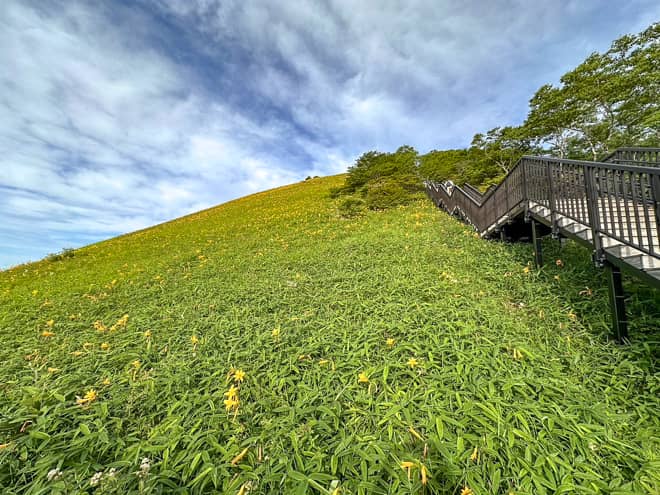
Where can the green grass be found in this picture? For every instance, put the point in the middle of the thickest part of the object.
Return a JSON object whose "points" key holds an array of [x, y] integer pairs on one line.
{"points": [[514, 364]]}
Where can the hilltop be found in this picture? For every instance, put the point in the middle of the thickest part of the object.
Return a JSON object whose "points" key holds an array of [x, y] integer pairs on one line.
{"points": [[269, 345]]}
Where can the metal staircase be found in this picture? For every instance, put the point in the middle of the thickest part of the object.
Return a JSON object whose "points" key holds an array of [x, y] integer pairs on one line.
{"points": [[611, 206]]}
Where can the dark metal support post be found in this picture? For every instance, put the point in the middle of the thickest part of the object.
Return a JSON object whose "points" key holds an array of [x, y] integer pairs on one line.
{"points": [[536, 242], [655, 193], [617, 303], [551, 200], [594, 216]]}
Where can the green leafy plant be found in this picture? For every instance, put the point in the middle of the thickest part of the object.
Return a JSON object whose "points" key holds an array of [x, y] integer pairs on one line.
{"points": [[268, 346]]}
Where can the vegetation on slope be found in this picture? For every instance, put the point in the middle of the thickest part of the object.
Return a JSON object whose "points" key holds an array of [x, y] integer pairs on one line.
{"points": [[388, 353]]}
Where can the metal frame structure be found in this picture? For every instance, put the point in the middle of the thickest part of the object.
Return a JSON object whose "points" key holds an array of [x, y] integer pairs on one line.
{"points": [[612, 207]]}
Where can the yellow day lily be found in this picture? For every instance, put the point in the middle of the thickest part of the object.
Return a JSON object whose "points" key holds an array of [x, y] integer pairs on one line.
{"points": [[239, 457], [407, 465], [424, 473], [239, 375], [90, 396], [412, 362]]}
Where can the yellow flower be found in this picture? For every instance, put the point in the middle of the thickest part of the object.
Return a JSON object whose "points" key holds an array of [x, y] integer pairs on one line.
{"points": [[466, 491], [231, 404], [407, 465], [556, 277], [276, 332], [87, 345], [90, 396], [363, 378], [415, 433], [412, 362], [239, 457], [50, 323], [232, 393], [390, 342], [77, 353], [53, 370], [35, 292], [105, 346], [194, 340], [47, 333], [239, 375], [147, 334], [475, 455], [136, 364], [423, 473], [526, 269], [106, 381], [98, 325]]}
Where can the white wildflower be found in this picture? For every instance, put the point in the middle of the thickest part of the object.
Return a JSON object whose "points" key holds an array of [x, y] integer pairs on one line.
{"points": [[96, 479], [112, 473], [145, 466], [54, 474]]}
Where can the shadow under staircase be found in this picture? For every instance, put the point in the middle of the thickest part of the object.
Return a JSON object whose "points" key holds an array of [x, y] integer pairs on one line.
{"points": [[611, 206]]}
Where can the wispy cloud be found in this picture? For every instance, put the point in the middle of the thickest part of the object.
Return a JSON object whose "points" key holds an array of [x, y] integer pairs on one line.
{"points": [[115, 117]]}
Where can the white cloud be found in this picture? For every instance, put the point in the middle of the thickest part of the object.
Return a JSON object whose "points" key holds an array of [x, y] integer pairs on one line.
{"points": [[112, 119]]}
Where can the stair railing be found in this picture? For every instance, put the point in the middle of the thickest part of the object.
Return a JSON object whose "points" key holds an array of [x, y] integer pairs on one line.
{"points": [[615, 200]]}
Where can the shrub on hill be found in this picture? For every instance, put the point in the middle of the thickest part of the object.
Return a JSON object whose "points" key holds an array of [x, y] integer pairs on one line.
{"points": [[351, 207], [381, 180], [62, 255]]}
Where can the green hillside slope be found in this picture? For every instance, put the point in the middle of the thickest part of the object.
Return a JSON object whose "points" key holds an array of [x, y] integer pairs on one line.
{"points": [[270, 346]]}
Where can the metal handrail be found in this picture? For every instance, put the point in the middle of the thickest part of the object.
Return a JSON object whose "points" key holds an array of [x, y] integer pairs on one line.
{"points": [[634, 155], [616, 200]]}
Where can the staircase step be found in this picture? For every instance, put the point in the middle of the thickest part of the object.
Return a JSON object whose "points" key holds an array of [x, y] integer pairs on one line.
{"points": [[575, 228], [585, 234], [643, 262]]}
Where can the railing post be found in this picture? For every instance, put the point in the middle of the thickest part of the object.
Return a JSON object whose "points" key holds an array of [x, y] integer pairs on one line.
{"points": [[551, 200], [506, 195], [655, 194], [594, 216], [536, 242], [617, 302]]}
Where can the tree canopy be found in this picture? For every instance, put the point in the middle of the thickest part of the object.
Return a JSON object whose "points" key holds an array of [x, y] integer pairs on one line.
{"points": [[611, 99]]}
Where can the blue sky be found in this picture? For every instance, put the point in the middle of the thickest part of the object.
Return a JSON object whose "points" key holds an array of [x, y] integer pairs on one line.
{"points": [[118, 115]]}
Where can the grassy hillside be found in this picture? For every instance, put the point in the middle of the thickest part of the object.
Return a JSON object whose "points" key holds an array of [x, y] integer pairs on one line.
{"points": [[270, 346]]}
